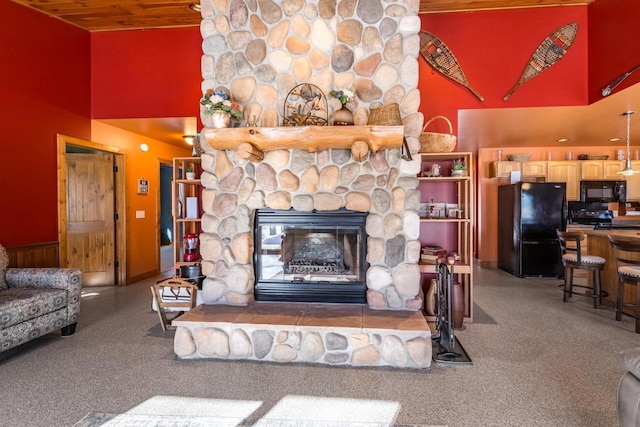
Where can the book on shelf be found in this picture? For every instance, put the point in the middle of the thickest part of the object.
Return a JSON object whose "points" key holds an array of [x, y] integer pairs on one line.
{"points": [[430, 250], [432, 256]]}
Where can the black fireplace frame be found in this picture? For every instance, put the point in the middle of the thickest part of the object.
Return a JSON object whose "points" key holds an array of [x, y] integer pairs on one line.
{"points": [[310, 291]]}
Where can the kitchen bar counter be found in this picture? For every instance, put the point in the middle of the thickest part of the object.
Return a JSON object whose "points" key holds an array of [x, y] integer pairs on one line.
{"points": [[598, 243], [626, 220]]}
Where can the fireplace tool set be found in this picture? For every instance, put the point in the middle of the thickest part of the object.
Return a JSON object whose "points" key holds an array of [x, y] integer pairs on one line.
{"points": [[446, 347]]}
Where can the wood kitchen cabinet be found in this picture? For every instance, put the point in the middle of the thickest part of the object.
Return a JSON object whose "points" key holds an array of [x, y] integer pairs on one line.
{"points": [[566, 171], [591, 169], [503, 169], [570, 172], [611, 169], [633, 183], [534, 169], [600, 169]]}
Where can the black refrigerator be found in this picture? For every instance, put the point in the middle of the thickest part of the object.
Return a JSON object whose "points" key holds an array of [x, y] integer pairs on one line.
{"points": [[529, 213]]}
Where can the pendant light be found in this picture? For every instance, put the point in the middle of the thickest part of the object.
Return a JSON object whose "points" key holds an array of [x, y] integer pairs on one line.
{"points": [[628, 170]]}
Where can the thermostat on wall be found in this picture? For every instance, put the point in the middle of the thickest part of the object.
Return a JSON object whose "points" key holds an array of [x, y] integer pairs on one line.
{"points": [[143, 186]]}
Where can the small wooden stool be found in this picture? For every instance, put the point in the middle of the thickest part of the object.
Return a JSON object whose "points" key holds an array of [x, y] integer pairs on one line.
{"points": [[573, 259], [173, 294]]}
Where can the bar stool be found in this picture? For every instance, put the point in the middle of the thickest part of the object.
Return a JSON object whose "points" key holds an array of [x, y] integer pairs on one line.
{"points": [[627, 253], [573, 259]]}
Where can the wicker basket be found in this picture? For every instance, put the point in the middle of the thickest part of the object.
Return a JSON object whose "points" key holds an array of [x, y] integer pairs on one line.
{"points": [[385, 115], [432, 142], [197, 146]]}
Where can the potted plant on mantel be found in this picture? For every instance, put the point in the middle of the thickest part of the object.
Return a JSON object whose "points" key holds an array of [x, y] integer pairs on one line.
{"points": [[220, 109], [459, 168], [190, 174]]}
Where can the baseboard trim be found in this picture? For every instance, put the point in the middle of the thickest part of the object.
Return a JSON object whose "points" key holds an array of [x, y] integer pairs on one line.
{"points": [[139, 277], [486, 264]]}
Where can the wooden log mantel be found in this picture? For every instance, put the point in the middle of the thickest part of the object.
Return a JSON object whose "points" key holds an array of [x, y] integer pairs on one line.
{"points": [[310, 138]]}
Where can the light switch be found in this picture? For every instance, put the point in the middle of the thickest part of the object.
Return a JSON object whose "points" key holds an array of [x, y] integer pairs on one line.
{"points": [[139, 214]]}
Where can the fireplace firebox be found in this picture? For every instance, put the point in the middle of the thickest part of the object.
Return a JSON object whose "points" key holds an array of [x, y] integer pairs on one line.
{"points": [[317, 256]]}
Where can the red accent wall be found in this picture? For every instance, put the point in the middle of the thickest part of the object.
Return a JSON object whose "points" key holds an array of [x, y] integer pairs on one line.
{"points": [[152, 73], [614, 45], [45, 90], [493, 48]]}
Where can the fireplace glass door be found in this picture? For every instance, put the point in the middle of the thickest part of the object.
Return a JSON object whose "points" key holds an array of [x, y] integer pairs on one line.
{"points": [[310, 256]]}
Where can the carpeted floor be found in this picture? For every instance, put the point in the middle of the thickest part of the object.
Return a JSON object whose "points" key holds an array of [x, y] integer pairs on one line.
{"points": [[536, 362]]}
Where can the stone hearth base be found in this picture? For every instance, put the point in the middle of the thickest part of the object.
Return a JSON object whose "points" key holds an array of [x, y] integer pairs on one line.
{"points": [[332, 334]]}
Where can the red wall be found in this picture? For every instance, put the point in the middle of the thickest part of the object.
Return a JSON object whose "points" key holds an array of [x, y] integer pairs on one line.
{"points": [[614, 44], [45, 90], [153, 73], [493, 48]]}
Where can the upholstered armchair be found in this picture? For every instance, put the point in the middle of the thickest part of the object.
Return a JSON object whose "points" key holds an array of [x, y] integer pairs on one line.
{"points": [[37, 301]]}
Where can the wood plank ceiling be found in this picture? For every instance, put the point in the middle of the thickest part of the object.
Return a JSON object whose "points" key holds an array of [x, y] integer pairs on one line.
{"points": [[110, 15]]}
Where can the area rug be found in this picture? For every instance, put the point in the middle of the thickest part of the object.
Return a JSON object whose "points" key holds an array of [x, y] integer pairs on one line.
{"points": [[289, 411], [99, 419]]}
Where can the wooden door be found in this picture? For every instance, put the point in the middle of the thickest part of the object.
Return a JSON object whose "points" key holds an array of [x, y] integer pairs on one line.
{"points": [[90, 217]]}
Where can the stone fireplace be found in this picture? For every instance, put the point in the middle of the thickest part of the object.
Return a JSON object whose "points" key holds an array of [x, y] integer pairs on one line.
{"points": [[259, 50], [384, 187]]}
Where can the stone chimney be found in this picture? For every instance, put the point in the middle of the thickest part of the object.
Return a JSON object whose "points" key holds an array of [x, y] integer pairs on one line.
{"points": [[259, 50]]}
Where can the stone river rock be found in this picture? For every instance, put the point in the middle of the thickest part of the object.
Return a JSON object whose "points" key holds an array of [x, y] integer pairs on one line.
{"points": [[312, 347], [366, 356], [240, 344], [393, 351], [212, 342], [183, 343]]}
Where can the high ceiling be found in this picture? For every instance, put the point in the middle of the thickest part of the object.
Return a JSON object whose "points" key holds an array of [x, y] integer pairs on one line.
{"points": [[587, 125]]}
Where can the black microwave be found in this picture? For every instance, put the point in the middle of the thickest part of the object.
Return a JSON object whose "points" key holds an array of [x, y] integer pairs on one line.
{"points": [[603, 191]]}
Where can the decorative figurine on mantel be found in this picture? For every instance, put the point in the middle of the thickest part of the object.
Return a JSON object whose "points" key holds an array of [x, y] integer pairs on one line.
{"points": [[305, 105]]}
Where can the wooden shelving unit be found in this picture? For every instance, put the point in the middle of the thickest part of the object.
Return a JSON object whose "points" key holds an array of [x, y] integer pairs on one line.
{"points": [[182, 189], [463, 196]]}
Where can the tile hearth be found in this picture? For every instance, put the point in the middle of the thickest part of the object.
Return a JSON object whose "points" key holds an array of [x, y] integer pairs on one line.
{"points": [[333, 334]]}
